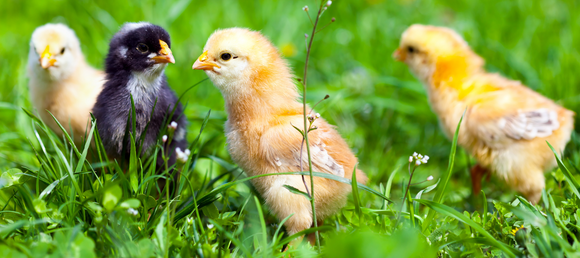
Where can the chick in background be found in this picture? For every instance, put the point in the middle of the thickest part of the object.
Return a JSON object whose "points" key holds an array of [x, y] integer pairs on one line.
{"points": [[61, 81], [506, 124], [135, 65], [262, 107]]}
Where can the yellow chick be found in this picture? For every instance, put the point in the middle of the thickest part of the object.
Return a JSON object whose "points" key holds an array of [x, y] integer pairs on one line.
{"points": [[61, 81], [261, 103], [506, 125]]}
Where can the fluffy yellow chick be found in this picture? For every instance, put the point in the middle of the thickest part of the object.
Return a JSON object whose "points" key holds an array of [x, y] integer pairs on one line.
{"points": [[261, 102], [61, 81], [506, 125]]}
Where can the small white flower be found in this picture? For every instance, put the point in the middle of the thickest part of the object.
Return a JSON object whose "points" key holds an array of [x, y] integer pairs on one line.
{"points": [[426, 157], [415, 154], [182, 156], [317, 115], [420, 156], [190, 221], [410, 159], [324, 9], [132, 211], [328, 3], [429, 178], [164, 138], [173, 125], [305, 8], [305, 35], [424, 161], [418, 162], [210, 226]]}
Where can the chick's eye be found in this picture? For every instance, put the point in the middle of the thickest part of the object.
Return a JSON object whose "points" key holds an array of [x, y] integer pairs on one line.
{"points": [[142, 48], [226, 56], [62, 51], [411, 49]]}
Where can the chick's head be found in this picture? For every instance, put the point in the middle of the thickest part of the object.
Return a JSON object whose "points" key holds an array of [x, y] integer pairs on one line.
{"points": [[239, 61], [54, 51], [139, 47], [424, 47]]}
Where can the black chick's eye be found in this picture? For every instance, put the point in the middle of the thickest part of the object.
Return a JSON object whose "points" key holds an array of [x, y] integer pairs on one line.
{"points": [[142, 48], [411, 49], [226, 56], [62, 51]]}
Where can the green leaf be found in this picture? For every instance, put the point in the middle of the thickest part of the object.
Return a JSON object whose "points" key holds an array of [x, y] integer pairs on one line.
{"points": [[10, 177], [133, 166], [295, 190], [448, 211], [111, 197], [147, 200], [130, 203]]}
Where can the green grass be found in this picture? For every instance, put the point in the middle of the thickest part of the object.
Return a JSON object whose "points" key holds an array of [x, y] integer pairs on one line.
{"points": [[55, 204]]}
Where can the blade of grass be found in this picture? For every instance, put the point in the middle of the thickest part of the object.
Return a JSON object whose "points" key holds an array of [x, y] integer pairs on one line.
{"points": [[441, 191]]}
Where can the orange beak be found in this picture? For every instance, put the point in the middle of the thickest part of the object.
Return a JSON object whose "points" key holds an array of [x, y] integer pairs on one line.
{"points": [[165, 55], [399, 55], [46, 59], [203, 63]]}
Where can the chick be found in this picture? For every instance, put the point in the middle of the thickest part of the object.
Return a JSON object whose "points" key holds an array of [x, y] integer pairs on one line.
{"points": [[506, 124], [261, 103], [138, 55], [61, 81]]}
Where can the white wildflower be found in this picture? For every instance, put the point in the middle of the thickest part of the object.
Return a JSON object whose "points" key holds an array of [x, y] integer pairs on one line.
{"points": [[424, 161], [426, 157], [173, 125], [419, 156], [324, 9], [305, 8], [317, 115], [182, 156], [164, 138], [210, 226], [410, 159], [328, 3], [190, 221], [132, 211], [418, 162], [429, 178], [415, 154]]}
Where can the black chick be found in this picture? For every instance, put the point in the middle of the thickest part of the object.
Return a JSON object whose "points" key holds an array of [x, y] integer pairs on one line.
{"points": [[137, 56]]}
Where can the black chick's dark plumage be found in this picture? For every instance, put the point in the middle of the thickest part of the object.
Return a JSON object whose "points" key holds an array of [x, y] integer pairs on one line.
{"points": [[137, 56]]}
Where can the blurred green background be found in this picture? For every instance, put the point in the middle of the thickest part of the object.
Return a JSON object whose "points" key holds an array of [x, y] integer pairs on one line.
{"points": [[375, 102]]}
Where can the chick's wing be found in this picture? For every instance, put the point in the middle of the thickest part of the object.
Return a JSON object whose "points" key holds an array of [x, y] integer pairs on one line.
{"points": [[282, 145], [511, 112]]}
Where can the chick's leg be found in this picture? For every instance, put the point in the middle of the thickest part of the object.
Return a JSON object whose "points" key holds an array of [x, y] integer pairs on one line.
{"points": [[477, 173]]}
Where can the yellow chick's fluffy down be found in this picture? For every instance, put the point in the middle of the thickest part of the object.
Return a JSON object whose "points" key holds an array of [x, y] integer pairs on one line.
{"points": [[506, 124], [261, 102], [61, 81]]}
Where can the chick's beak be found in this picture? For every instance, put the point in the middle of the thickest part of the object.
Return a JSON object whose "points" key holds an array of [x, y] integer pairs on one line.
{"points": [[45, 58], [203, 63], [399, 55], [164, 55]]}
